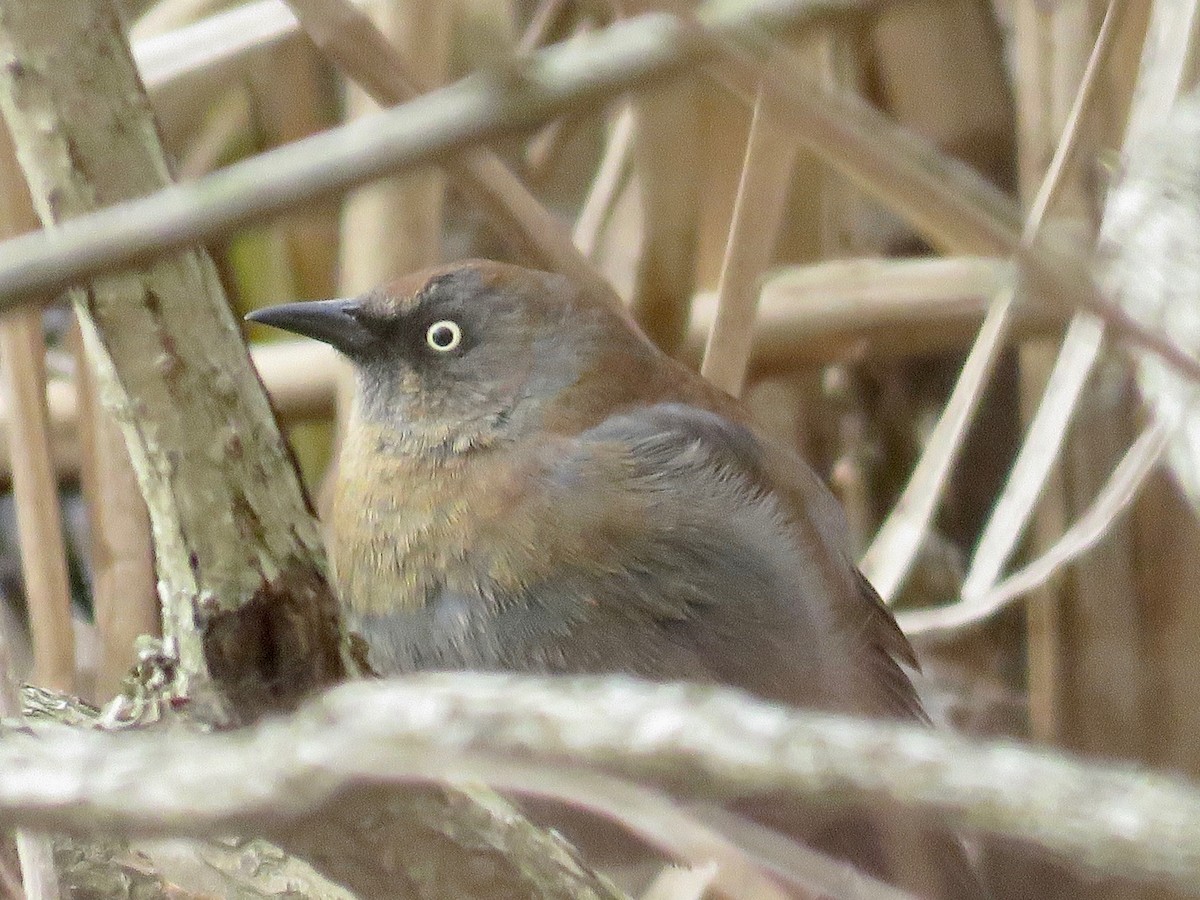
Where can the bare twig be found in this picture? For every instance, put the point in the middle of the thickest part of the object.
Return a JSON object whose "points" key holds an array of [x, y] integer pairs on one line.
{"points": [[757, 214], [538, 735], [1113, 499]]}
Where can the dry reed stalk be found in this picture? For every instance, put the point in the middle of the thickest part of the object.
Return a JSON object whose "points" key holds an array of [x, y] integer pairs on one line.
{"points": [[352, 43], [1043, 442], [35, 485], [757, 216], [1092, 525], [392, 226], [841, 310], [60, 402], [1161, 76], [124, 588], [668, 143], [611, 175]]}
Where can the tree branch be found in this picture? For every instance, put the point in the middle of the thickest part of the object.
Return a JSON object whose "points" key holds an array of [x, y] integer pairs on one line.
{"points": [[548, 736]]}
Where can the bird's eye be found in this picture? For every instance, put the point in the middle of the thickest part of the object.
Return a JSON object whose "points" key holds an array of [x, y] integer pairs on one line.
{"points": [[444, 336]]}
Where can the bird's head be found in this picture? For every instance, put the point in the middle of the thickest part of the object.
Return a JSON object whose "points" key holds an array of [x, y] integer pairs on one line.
{"points": [[461, 356]]}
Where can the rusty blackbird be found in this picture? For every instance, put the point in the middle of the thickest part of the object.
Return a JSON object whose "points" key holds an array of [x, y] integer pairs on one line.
{"points": [[526, 483]]}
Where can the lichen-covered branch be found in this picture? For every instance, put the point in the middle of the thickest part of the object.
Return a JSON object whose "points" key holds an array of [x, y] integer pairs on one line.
{"points": [[239, 555], [542, 735]]}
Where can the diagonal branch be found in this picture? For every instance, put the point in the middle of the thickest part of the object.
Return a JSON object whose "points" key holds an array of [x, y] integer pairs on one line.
{"points": [[629, 54]]}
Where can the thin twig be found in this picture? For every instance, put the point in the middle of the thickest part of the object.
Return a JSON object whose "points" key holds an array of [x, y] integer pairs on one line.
{"points": [[757, 215], [540, 735], [1093, 524]]}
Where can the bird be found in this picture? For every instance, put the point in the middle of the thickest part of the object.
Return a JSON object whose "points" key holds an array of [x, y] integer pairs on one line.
{"points": [[527, 483]]}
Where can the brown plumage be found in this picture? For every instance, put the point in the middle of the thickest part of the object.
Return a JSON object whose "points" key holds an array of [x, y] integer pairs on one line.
{"points": [[526, 483]]}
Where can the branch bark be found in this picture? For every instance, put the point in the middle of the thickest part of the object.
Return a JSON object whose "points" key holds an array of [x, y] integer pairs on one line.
{"points": [[239, 556], [550, 736]]}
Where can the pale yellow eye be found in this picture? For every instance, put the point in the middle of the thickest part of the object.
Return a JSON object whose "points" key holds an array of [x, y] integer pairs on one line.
{"points": [[443, 336]]}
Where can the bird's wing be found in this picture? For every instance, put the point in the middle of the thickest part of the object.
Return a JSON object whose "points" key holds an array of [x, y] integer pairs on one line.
{"points": [[711, 555]]}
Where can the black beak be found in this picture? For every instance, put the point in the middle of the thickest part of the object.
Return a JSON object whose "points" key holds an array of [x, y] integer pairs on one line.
{"points": [[331, 321]]}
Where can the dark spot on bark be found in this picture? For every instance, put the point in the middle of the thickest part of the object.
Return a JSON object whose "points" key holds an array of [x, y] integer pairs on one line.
{"points": [[194, 562], [55, 198], [89, 300], [278, 647], [170, 364], [154, 304], [78, 159], [249, 525]]}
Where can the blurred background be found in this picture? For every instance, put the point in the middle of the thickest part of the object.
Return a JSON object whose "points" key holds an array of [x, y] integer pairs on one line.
{"points": [[684, 196]]}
